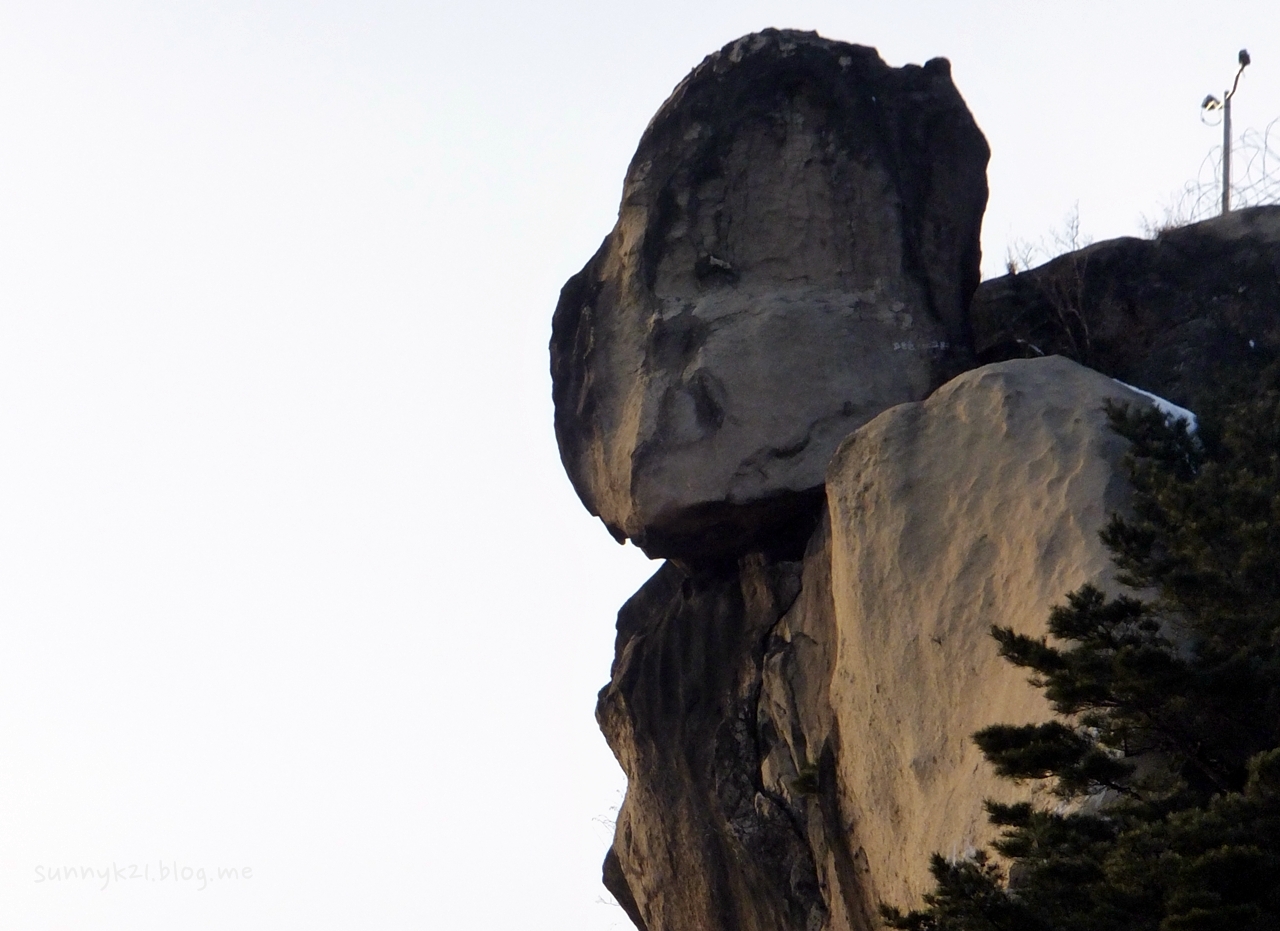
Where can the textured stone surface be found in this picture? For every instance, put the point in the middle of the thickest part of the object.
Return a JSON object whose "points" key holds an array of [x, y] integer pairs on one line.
{"points": [[795, 728], [700, 844], [1171, 315], [799, 739], [795, 250], [980, 506]]}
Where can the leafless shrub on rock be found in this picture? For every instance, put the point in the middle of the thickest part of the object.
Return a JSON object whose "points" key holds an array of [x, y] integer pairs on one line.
{"points": [[1064, 253]]}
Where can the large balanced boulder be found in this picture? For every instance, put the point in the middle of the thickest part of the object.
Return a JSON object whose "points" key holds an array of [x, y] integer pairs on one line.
{"points": [[795, 252], [795, 728]]}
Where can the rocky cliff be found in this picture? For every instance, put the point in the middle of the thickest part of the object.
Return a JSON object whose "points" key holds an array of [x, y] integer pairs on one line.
{"points": [[794, 727], [771, 374]]}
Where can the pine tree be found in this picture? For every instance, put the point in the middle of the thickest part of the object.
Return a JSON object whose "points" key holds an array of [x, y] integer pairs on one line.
{"points": [[1167, 748]]}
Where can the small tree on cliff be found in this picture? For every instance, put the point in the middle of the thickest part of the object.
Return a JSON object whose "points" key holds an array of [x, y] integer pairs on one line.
{"points": [[1170, 709]]}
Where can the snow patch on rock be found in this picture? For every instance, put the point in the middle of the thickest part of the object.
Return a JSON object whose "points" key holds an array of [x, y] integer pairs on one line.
{"points": [[1170, 410]]}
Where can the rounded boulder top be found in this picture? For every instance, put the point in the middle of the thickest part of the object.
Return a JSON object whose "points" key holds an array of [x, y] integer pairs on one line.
{"points": [[795, 252]]}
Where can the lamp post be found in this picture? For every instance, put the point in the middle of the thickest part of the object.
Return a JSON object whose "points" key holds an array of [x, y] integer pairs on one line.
{"points": [[1213, 103]]}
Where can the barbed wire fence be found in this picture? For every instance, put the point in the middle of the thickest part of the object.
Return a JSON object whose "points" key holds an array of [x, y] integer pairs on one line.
{"points": [[1255, 181]]}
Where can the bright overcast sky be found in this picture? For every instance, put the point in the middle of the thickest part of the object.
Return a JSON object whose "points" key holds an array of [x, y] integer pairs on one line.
{"points": [[290, 576]]}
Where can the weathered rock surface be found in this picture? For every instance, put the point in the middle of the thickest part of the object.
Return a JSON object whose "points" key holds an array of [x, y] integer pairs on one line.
{"points": [[980, 506], [758, 375], [795, 251], [1173, 315], [700, 844], [795, 728]]}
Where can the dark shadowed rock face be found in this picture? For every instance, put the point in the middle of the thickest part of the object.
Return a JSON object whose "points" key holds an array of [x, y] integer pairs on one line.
{"points": [[795, 251], [1176, 315], [700, 843]]}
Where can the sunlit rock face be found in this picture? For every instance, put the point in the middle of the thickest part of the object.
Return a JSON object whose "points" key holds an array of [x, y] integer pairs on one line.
{"points": [[794, 253], [981, 505], [795, 727]]}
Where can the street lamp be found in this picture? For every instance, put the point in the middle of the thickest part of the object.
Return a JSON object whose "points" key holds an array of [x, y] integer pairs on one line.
{"points": [[1213, 103]]}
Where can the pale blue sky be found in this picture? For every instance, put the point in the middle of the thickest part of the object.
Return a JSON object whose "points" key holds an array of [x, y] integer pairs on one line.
{"points": [[290, 575]]}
